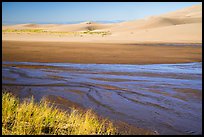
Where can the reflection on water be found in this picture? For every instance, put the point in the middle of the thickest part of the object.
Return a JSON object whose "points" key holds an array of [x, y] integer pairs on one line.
{"points": [[166, 98]]}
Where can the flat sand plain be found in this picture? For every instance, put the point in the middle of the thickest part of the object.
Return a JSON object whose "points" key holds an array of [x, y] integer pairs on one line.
{"points": [[73, 52]]}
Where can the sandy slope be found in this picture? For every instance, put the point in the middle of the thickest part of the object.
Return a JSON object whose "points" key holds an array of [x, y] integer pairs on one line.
{"points": [[181, 26]]}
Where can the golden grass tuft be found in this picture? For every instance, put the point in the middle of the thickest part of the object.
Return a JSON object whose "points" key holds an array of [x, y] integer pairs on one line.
{"points": [[30, 118]]}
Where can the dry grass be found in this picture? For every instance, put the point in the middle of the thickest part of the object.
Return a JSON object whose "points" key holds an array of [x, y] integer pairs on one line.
{"points": [[23, 30], [88, 32], [30, 118]]}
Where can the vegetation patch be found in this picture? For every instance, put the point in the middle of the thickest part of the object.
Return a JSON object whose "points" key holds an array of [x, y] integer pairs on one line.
{"points": [[89, 32], [30, 118], [23, 30], [103, 33]]}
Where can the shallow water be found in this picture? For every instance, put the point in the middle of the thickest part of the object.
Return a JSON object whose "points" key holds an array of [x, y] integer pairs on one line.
{"points": [[166, 98]]}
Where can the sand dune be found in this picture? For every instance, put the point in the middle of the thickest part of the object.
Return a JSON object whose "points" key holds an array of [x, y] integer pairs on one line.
{"points": [[85, 26], [193, 11], [171, 19], [181, 26], [61, 27], [30, 26], [171, 34]]}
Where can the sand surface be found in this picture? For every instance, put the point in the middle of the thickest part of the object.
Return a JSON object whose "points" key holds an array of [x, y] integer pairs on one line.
{"points": [[166, 98], [100, 53]]}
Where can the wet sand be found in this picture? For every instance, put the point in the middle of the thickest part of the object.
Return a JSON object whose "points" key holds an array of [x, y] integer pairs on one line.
{"points": [[165, 98], [66, 105], [100, 53]]}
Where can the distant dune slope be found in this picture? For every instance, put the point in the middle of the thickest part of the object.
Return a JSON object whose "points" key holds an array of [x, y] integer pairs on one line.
{"points": [[85, 26], [182, 25]]}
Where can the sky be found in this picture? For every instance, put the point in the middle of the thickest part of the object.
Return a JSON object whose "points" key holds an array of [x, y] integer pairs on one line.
{"points": [[66, 12]]}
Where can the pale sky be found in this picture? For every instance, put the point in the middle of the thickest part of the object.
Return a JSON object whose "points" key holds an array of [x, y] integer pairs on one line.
{"points": [[63, 12]]}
